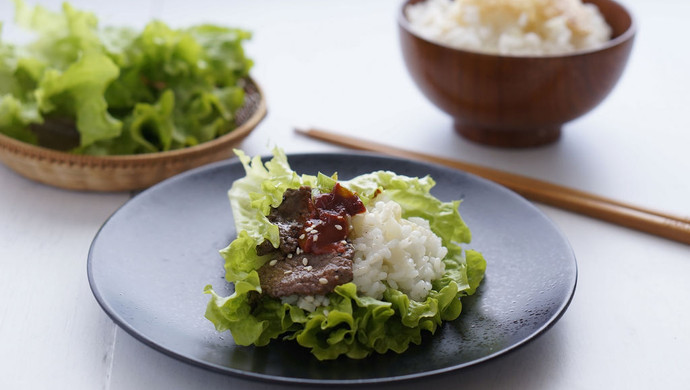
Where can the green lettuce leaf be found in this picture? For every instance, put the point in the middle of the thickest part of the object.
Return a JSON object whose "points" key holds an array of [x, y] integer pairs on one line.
{"points": [[252, 196], [126, 92], [78, 92], [152, 126], [15, 118], [350, 325]]}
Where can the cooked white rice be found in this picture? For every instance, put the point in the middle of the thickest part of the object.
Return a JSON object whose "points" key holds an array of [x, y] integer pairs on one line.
{"points": [[511, 27], [306, 302], [391, 251]]}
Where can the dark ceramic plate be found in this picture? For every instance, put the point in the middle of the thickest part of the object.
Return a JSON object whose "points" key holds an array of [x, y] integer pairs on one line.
{"points": [[151, 260]]}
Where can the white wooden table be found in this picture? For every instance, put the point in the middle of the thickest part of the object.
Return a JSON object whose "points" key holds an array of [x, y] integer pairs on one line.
{"points": [[336, 65]]}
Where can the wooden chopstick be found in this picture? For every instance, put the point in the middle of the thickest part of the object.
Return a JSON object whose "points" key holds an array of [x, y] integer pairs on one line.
{"points": [[649, 221]]}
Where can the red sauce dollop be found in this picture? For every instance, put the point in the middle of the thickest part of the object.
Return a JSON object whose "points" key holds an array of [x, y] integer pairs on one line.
{"points": [[326, 229]]}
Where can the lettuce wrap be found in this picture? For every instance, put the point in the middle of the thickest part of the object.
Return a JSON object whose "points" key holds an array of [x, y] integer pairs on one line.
{"points": [[351, 324]]}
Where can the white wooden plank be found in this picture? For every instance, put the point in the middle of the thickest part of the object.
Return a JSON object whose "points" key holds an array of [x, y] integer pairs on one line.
{"points": [[53, 334]]}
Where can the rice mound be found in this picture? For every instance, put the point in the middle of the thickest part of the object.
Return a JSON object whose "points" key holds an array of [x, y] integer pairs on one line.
{"points": [[306, 302], [511, 27], [391, 251]]}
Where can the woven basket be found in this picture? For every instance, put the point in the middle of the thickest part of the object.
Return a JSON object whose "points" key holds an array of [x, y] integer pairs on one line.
{"points": [[128, 172]]}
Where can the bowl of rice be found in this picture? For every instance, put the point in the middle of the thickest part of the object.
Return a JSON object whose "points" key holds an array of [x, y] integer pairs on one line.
{"points": [[511, 73]]}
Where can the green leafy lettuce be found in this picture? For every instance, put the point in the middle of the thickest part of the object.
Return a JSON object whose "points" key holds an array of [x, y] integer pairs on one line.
{"points": [[124, 92], [351, 324]]}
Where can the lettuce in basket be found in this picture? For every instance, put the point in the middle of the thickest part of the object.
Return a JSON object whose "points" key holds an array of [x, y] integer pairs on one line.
{"points": [[345, 321], [124, 92]]}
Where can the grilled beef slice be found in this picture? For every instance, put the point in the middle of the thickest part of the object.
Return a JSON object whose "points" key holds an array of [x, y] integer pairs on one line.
{"points": [[290, 217], [320, 276]]}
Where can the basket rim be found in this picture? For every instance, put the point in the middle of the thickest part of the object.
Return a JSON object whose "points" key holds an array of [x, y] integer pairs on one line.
{"points": [[17, 147]]}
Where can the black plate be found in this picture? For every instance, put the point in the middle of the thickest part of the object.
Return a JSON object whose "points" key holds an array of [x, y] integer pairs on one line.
{"points": [[151, 260]]}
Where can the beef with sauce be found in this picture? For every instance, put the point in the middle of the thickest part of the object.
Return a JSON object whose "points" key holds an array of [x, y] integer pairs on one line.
{"points": [[307, 274], [314, 255]]}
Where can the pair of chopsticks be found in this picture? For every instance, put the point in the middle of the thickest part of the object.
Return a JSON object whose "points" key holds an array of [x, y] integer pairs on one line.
{"points": [[623, 214]]}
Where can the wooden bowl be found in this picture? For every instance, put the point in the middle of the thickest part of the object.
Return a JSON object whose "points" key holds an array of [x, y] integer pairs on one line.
{"points": [[511, 101], [128, 172]]}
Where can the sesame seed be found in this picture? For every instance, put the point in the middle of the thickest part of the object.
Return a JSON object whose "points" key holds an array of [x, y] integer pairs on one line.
{"points": [[316, 237], [323, 281], [298, 251], [273, 262], [305, 261], [308, 229], [301, 236], [308, 268], [337, 277], [289, 256], [287, 272], [343, 242], [338, 227]]}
